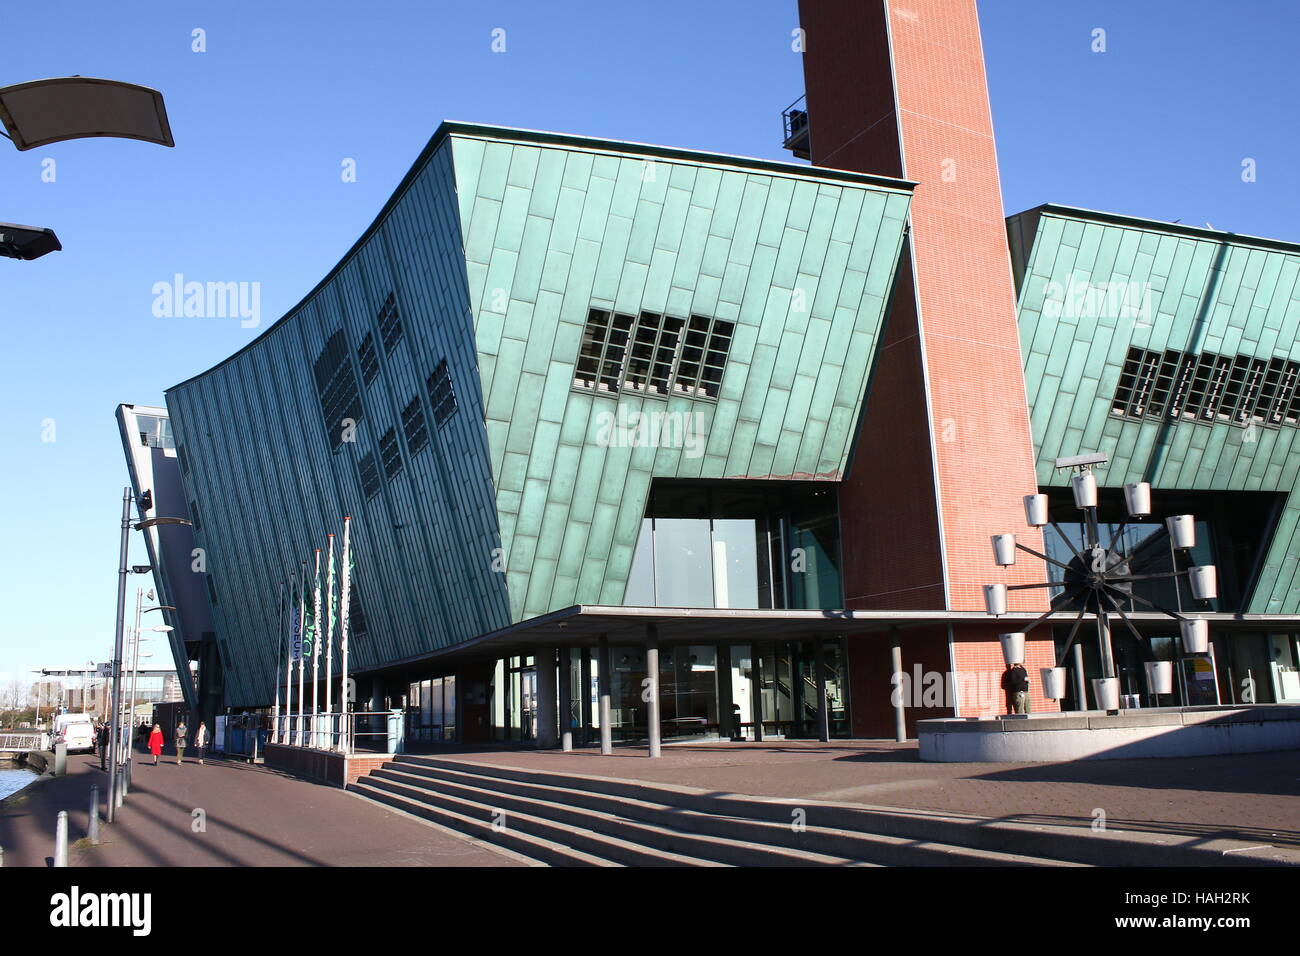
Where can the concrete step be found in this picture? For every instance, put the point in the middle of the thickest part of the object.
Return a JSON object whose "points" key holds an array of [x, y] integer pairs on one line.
{"points": [[594, 843], [741, 841], [677, 837], [1029, 841], [533, 848]]}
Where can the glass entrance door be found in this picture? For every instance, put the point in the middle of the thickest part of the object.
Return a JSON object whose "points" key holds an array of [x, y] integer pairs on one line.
{"points": [[528, 702]]}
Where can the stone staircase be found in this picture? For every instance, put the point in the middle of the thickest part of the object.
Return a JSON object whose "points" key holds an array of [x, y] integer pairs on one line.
{"points": [[564, 819]]}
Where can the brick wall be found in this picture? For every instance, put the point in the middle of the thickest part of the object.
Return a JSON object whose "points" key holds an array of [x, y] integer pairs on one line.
{"points": [[335, 769]]}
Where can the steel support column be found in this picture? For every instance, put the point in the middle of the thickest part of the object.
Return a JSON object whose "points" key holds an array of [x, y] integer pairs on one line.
{"points": [[565, 703], [896, 663], [603, 679], [823, 712], [652, 686]]}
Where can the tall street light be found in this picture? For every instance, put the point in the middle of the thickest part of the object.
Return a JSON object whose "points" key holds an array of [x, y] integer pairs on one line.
{"points": [[123, 570], [41, 112]]}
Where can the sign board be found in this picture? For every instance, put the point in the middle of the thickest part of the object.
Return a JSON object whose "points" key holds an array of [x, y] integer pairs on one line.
{"points": [[104, 670], [350, 693]]}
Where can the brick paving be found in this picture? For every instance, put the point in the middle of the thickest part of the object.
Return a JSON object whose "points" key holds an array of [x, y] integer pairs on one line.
{"points": [[255, 816], [1245, 797]]}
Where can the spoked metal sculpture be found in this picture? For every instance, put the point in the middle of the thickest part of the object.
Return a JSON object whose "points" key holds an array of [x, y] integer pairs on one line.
{"points": [[1097, 582]]}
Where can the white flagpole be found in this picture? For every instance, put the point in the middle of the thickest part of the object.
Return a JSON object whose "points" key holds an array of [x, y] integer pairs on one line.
{"points": [[315, 659], [286, 735], [329, 643], [345, 592], [275, 712], [301, 739]]}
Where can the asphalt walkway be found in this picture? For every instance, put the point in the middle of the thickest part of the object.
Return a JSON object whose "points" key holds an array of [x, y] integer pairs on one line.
{"points": [[224, 813]]}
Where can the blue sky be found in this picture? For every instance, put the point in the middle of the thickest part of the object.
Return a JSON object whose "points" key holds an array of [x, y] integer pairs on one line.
{"points": [[1158, 125]]}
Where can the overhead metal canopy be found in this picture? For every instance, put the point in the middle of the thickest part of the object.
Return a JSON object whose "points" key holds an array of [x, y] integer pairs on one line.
{"points": [[73, 107], [583, 626]]}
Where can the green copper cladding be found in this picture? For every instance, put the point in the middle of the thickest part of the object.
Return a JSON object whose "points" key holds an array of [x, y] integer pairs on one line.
{"points": [[1092, 286], [494, 248], [802, 262]]}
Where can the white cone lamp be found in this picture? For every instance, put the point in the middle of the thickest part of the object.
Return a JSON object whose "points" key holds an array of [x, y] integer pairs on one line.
{"points": [[1106, 690], [1013, 647], [1205, 582], [1182, 530], [1004, 550], [1085, 489], [995, 599], [1053, 682], [1160, 677], [1137, 496], [1036, 510], [1196, 635]]}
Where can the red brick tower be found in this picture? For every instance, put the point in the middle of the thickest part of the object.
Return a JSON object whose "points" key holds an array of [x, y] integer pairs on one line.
{"points": [[944, 454]]}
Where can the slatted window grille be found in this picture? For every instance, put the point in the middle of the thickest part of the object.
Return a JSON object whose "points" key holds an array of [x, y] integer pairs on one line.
{"points": [[369, 471], [390, 323], [336, 387], [391, 453], [368, 358], [1208, 388], [413, 427], [442, 394]]}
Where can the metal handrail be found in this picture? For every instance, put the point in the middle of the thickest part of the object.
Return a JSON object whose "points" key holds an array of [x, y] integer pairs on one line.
{"points": [[329, 732], [790, 126]]}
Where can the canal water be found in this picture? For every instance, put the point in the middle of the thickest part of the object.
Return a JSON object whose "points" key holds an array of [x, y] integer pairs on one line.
{"points": [[13, 778]]}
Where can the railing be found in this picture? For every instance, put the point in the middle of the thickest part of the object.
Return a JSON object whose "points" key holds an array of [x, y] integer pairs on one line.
{"points": [[794, 121], [24, 742], [343, 733]]}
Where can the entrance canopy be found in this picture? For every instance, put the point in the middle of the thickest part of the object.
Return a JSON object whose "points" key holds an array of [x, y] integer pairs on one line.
{"points": [[583, 625]]}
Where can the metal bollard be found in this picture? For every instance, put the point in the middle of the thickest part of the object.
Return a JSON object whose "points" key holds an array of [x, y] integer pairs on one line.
{"points": [[2, 857], [92, 829], [117, 797], [61, 840]]}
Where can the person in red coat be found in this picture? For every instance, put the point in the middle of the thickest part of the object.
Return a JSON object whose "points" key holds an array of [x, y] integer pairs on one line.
{"points": [[155, 743]]}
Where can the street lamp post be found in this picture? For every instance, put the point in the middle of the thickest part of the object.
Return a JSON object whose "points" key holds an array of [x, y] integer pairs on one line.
{"points": [[1098, 578], [41, 112], [115, 727]]}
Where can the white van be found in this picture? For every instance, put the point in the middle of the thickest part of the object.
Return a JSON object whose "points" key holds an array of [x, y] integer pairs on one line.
{"points": [[77, 731]]}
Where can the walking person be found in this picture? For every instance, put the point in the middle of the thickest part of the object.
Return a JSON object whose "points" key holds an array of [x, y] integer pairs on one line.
{"points": [[155, 743], [181, 733], [201, 740], [102, 737]]}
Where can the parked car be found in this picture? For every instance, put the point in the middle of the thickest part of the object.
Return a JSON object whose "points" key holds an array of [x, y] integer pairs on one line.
{"points": [[77, 731]]}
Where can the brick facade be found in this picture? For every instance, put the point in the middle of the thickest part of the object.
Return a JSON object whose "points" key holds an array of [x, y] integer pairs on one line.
{"points": [[944, 453]]}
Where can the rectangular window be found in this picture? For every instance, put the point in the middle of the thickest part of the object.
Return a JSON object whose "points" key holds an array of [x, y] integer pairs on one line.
{"points": [[212, 589], [1206, 387], [194, 516], [603, 350], [391, 453], [653, 354], [336, 386], [368, 358], [442, 394], [1168, 370], [390, 323], [704, 357], [413, 427], [654, 349], [369, 475]]}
